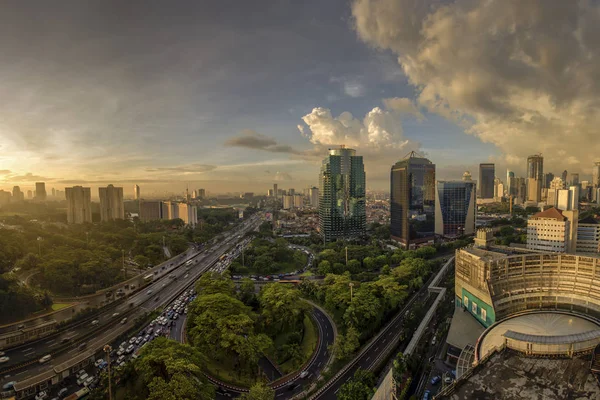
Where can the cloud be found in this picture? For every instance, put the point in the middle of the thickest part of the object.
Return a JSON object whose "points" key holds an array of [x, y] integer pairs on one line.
{"points": [[28, 177], [253, 140], [282, 176], [403, 105], [354, 89], [523, 76], [190, 168], [4, 171]]}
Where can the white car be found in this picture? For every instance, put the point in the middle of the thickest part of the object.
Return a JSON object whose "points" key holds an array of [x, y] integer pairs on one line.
{"points": [[4, 359], [41, 395], [82, 379], [115, 315], [303, 374], [130, 349], [45, 359], [98, 362], [132, 340]]}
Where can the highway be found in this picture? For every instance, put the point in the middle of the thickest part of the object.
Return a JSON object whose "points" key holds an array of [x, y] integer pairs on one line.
{"points": [[155, 295]]}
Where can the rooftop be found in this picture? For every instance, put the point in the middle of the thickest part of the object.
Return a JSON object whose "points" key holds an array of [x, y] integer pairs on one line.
{"points": [[551, 213], [509, 376]]}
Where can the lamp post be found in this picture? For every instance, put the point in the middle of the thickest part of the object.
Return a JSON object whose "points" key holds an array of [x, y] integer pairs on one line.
{"points": [[351, 286], [107, 349]]}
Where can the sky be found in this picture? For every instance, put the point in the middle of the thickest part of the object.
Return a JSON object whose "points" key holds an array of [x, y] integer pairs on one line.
{"points": [[235, 95]]}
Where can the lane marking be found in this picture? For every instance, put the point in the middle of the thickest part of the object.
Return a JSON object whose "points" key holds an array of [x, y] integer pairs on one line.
{"points": [[31, 348]]}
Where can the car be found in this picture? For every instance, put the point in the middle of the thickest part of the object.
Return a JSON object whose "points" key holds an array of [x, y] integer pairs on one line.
{"points": [[435, 380], [4, 359], [95, 322], [88, 381], [303, 374], [82, 379], [426, 395], [121, 351], [45, 359], [124, 320], [80, 372], [120, 359], [149, 292], [115, 315], [41, 395], [138, 340], [65, 340], [9, 385], [447, 380], [98, 362], [62, 392], [130, 349], [123, 345], [82, 346], [132, 340]]}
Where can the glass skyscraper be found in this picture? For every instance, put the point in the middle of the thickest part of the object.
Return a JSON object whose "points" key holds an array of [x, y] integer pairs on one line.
{"points": [[412, 200], [487, 174], [342, 190], [456, 208]]}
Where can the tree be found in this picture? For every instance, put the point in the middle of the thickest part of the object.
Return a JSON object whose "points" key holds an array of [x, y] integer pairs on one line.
{"points": [[359, 388], [324, 267], [282, 309], [259, 391], [354, 266], [399, 367], [246, 293], [369, 263], [214, 282]]}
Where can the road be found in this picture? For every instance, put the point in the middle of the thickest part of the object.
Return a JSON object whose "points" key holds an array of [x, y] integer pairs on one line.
{"points": [[151, 297], [368, 356]]}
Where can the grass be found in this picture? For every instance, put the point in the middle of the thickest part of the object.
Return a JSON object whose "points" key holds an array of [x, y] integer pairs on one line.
{"points": [[308, 345], [59, 306]]}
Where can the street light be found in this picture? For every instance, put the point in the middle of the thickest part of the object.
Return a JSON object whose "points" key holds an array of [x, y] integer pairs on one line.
{"points": [[107, 349], [351, 286]]}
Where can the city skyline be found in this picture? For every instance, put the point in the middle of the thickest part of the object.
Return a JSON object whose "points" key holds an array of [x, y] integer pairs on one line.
{"points": [[91, 108]]}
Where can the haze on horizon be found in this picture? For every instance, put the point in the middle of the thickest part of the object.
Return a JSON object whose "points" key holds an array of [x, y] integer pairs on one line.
{"points": [[231, 96]]}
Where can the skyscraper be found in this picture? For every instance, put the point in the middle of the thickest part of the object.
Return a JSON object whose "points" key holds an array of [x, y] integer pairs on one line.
{"points": [[40, 191], [288, 201], [18, 196], [150, 210], [574, 179], [201, 193], [455, 208], [412, 200], [136, 192], [564, 176], [111, 203], [548, 179], [511, 183], [487, 174], [275, 191], [314, 197], [79, 205], [535, 177], [595, 180], [342, 189]]}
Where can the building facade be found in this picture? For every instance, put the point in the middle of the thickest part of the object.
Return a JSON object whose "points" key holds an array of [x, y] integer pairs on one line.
{"points": [[151, 210], [79, 205], [40, 191], [314, 197], [288, 202], [111, 203], [455, 208], [588, 236], [342, 193], [17, 195], [136, 192], [553, 230], [487, 175], [535, 177], [412, 200]]}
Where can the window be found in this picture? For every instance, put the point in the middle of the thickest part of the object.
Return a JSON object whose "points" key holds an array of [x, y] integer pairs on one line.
{"points": [[474, 308], [483, 314]]}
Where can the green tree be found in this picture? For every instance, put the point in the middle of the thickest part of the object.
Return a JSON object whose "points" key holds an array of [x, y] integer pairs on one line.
{"points": [[214, 282], [282, 309], [246, 293], [359, 388], [324, 267], [259, 391]]}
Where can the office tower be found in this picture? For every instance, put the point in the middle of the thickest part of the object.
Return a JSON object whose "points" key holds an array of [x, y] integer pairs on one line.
{"points": [[280, 193], [574, 179], [111, 203], [487, 174], [18, 196], [275, 190], [564, 175], [412, 200], [535, 177], [521, 190], [455, 208], [270, 193], [548, 179], [136, 192], [595, 181], [288, 202], [202, 193], [342, 213], [588, 236], [306, 192], [40, 191], [170, 210], [150, 210], [291, 192], [79, 205], [314, 197], [53, 192], [553, 230], [187, 213], [298, 201], [5, 197], [574, 194], [498, 189], [29, 194], [511, 183]]}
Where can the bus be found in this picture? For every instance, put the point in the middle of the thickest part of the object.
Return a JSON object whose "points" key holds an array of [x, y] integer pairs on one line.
{"points": [[149, 278], [80, 394]]}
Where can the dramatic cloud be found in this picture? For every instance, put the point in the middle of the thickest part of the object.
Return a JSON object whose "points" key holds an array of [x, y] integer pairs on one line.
{"points": [[403, 105], [254, 140], [28, 177], [523, 75]]}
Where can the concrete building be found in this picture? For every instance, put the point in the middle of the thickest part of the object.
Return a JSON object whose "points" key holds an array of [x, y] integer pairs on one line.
{"points": [[342, 191], [412, 201], [553, 230], [535, 177], [79, 205], [588, 236], [275, 190], [202, 193], [136, 192], [298, 201], [455, 208], [270, 193], [151, 210], [487, 174], [511, 184], [5, 197], [574, 179], [111, 203], [29, 194], [288, 202], [40, 191], [521, 190], [17, 195], [314, 197], [595, 181], [188, 213]]}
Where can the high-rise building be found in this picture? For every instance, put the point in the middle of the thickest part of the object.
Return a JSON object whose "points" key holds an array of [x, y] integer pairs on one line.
{"points": [[150, 210], [314, 197], [53, 192], [564, 175], [298, 201], [553, 230], [29, 194], [535, 177], [79, 205], [270, 193], [18, 196], [40, 191], [136, 192], [511, 183], [291, 192], [288, 202], [201, 193], [111, 203], [487, 174], [5, 197], [588, 236], [548, 179], [595, 181], [342, 190], [455, 208], [521, 190], [188, 213], [275, 190], [574, 179], [412, 200]]}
